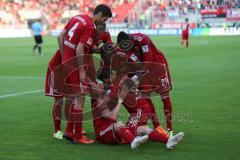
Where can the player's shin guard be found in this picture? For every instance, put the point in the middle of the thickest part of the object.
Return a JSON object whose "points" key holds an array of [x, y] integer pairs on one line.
{"points": [[126, 135], [167, 105], [154, 116], [57, 116], [77, 118], [156, 136]]}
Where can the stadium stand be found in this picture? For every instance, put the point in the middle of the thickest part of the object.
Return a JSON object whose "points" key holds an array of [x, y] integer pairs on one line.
{"points": [[133, 13]]}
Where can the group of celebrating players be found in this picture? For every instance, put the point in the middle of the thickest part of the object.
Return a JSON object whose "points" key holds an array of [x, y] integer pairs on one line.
{"points": [[131, 71]]}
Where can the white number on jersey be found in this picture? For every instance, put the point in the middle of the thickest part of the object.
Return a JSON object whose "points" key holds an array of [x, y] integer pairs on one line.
{"points": [[71, 31]]}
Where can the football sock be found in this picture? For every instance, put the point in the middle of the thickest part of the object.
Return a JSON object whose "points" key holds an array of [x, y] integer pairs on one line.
{"points": [[77, 118], [126, 135], [69, 117], [167, 105], [34, 47], [154, 116], [156, 136], [57, 116], [40, 49]]}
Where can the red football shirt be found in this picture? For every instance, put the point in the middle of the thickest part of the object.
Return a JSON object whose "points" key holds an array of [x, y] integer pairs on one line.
{"points": [[80, 29]]}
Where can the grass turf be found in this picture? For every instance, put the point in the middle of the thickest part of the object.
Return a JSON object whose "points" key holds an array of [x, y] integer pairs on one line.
{"points": [[205, 103]]}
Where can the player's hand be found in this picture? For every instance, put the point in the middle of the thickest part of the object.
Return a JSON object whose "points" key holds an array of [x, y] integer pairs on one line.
{"points": [[123, 93]]}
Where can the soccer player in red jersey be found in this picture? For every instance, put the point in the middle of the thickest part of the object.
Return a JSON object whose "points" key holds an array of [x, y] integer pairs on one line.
{"points": [[105, 129], [51, 90], [185, 33], [147, 52], [75, 42]]}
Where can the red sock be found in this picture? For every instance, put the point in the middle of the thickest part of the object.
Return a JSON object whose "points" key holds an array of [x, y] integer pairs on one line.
{"points": [[187, 44], [69, 117], [156, 136], [57, 116], [154, 116], [126, 135], [167, 105], [77, 118]]}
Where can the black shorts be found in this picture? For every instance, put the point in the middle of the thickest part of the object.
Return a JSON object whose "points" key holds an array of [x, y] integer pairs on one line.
{"points": [[38, 39]]}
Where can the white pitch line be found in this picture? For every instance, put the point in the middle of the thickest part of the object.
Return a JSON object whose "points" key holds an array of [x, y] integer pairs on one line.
{"points": [[20, 93], [20, 77]]}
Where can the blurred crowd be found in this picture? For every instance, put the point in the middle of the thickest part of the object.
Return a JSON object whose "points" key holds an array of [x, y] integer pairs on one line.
{"points": [[57, 12]]}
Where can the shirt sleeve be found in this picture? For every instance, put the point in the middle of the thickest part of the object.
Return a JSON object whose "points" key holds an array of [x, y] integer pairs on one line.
{"points": [[146, 49]]}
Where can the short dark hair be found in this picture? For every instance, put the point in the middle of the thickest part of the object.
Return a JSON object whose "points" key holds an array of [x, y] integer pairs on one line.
{"points": [[106, 11], [122, 36]]}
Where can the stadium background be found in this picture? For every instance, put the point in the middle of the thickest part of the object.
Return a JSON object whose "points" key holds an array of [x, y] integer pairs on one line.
{"points": [[154, 17], [206, 77]]}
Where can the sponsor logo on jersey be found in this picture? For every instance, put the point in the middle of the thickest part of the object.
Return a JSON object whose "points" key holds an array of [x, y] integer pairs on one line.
{"points": [[133, 57], [145, 49], [137, 38]]}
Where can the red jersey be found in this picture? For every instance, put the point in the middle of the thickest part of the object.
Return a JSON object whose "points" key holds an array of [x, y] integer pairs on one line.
{"points": [[185, 27], [104, 37], [80, 29], [146, 49]]}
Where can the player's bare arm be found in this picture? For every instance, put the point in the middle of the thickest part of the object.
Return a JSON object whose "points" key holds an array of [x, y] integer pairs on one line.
{"points": [[61, 40], [113, 114]]}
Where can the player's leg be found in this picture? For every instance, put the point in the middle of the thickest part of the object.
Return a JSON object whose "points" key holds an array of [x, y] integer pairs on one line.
{"points": [[187, 41], [77, 118], [57, 116], [69, 105], [156, 136], [36, 45], [40, 49], [153, 116], [152, 134], [167, 106], [127, 136]]}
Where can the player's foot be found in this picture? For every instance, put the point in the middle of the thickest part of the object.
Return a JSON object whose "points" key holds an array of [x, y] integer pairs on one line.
{"points": [[138, 141], [162, 131], [83, 140], [68, 136], [83, 131], [174, 140], [170, 132], [58, 135]]}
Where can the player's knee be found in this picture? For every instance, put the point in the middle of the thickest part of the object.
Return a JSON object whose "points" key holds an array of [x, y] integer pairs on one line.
{"points": [[118, 125], [79, 102], [58, 101], [143, 130]]}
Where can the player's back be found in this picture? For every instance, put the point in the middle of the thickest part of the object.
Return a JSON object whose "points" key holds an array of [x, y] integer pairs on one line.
{"points": [[80, 28]]}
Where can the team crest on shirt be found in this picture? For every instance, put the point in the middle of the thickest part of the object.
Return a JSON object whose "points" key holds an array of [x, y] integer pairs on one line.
{"points": [[133, 57], [90, 41], [145, 49]]}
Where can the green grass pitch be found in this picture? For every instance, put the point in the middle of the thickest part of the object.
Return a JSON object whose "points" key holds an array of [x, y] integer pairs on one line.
{"points": [[206, 104]]}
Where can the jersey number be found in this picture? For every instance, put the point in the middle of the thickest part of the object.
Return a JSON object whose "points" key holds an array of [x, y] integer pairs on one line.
{"points": [[71, 31]]}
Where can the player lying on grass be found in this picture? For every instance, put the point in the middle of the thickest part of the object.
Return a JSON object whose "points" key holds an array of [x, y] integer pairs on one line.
{"points": [[108, 129], [142, 49], [137, 122]]}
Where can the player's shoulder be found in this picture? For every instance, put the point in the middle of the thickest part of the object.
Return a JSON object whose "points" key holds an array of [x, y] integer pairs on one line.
{"points": [[138, 36], [84, 19]]}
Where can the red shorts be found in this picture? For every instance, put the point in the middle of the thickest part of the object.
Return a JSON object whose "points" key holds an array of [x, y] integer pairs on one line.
{"points": [[185, 35], [141, 115], [107, 135], [158, 79], [50, 87]]}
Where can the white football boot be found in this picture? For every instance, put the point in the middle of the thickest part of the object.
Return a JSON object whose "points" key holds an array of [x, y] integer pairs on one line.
{"points": [[174, 140], [138, 141]]}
